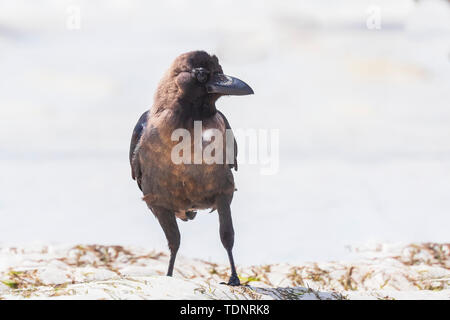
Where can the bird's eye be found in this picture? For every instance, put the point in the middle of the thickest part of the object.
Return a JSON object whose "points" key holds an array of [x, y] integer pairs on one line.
{"points": [[201, 75]]}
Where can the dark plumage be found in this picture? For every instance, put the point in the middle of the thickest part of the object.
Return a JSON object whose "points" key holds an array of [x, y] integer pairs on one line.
{"points": [[187, 93]]}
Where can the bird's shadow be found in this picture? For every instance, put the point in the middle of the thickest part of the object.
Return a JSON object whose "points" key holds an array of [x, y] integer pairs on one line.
{"points": [[296, 293]]}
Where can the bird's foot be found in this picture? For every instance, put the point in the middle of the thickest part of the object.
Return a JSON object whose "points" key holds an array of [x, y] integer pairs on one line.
{"points": [[191, 215], [234, 281], [186, 215]]}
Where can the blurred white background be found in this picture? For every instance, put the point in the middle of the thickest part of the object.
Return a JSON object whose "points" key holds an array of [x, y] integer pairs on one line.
{"points": [[363, 113]]}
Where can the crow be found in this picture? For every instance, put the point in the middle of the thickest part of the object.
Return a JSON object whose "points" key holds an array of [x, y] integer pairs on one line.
{"points": [[186, 96]]}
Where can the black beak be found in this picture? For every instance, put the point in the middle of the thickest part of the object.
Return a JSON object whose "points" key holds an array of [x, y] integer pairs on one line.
{"points": [[223, 84]]}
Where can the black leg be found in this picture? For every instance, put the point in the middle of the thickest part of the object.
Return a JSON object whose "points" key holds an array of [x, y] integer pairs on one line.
{"points": [[168, 223], [227, 234]]}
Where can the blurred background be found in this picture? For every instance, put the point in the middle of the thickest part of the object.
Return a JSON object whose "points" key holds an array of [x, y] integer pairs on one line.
{"points": [[360, 91]]}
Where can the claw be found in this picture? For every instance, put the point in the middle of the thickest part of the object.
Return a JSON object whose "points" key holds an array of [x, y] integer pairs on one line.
{"points": [[234, 281]]}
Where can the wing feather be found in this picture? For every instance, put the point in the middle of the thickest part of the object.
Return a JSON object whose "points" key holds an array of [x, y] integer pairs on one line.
{"points": [[227, 126], [134, 148]]}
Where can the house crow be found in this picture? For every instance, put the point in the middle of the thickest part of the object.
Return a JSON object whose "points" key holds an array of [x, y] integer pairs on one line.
{"points": [[186, 96]]}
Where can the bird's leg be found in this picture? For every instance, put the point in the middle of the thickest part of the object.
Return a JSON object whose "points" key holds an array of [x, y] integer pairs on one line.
{"points": [[227, 234], [169, 225]]}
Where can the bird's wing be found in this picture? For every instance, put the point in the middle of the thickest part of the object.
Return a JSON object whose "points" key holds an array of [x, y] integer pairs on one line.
{"points": [[134, 148], [227, 126]]}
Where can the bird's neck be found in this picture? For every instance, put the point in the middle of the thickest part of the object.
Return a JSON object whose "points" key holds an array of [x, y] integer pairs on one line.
{"points": [[181, 112], [197, 110]]}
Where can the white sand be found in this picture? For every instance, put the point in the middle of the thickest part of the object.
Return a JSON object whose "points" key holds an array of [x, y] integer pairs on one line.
{"points": [[416, 271]]}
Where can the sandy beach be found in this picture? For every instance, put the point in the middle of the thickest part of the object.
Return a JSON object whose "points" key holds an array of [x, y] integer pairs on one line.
{"points": [[415, 271]]}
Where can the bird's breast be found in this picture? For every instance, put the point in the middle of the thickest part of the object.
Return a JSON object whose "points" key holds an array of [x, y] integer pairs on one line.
{"points": [[192, 182]]}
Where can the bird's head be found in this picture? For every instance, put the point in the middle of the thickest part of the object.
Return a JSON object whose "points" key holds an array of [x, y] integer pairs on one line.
{"points": [[197, 78]]}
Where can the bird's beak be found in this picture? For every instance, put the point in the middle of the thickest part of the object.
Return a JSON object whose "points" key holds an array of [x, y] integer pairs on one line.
{"points": [[223, 84]]}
